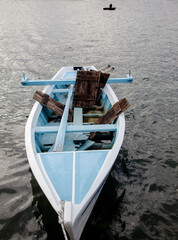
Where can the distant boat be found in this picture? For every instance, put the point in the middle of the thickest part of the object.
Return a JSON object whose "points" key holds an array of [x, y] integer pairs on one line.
{"points": [[109, 8], [71, 154]]}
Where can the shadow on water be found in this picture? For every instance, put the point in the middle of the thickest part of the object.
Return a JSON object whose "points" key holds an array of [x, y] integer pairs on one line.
{"points": [[108, 208], [46, 216]]}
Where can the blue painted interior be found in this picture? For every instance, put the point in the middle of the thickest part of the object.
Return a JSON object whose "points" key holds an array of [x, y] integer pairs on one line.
{"points": [[59, 169], [59, 166], [104, 100], [42, 120], [87, 166], [78, 116], [69, 75], [37, 144], [107, 105]]}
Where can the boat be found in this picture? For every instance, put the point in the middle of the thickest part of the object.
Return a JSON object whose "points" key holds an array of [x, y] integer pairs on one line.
{"points": [[109, 8], [71, 155]]}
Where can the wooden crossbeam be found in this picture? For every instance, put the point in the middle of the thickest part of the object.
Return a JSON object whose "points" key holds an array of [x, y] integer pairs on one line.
{"points": [[27, 82]]}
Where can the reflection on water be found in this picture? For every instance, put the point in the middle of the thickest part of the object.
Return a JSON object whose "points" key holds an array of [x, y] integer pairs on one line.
{"points": [[139, 200]]}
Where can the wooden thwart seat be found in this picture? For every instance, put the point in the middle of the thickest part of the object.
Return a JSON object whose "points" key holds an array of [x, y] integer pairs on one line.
{"points": [[52, 104]]}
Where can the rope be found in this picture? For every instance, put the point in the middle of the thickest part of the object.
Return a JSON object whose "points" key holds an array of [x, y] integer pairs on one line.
{"points": [[64, 231], [61, 219]]}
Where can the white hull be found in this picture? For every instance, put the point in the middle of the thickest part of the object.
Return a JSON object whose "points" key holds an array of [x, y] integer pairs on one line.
{"points": [[74, 215]]}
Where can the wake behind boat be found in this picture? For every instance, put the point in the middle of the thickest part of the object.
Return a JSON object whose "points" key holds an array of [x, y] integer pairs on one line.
{"points": [[73, 136]]}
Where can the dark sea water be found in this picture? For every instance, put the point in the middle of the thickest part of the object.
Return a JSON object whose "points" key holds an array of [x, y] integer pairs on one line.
{"points": [[38, 37]]}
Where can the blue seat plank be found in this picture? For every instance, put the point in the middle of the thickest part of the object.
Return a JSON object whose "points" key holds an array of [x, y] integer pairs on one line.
{"points": [[78, 116], [78, 128], [60, 90]]}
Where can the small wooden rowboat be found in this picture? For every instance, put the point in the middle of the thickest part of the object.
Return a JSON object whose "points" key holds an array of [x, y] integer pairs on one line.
{"points": [[72, 141]]}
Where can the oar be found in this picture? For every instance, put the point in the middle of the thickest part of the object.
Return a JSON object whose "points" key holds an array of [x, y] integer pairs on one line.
{"points": [[59, 143], [104, 69], [109, 70]]}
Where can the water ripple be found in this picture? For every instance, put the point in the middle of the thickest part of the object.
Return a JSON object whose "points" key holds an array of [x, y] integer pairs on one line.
{"points": [[139, 200]]}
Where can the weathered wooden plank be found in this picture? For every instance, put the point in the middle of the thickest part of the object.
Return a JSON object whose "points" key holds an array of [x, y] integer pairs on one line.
{"points": [[52, 104], [44, 100], [102, 82], [86, 88], [112, 114]]}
